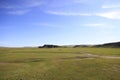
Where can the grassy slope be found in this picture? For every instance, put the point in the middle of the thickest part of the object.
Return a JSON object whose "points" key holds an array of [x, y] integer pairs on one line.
{"points": [[58, 64]]}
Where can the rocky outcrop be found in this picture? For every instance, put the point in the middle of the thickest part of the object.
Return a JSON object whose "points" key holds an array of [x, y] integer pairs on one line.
{"points": [[49, 46]]}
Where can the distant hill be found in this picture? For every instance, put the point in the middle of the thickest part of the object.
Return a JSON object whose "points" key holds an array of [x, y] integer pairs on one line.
{"points": [[49, 46], [114, 45], [82, 46]]}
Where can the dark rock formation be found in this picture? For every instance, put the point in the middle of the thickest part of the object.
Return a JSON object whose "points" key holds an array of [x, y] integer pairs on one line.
{"points": [[49, 46], [81, 46]]}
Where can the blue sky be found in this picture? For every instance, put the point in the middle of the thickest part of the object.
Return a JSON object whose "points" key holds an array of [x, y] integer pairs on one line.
{"points": [[61, 22]]}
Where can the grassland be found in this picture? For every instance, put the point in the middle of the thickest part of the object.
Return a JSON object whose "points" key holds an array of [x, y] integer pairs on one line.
{"points": [[59, 64]]}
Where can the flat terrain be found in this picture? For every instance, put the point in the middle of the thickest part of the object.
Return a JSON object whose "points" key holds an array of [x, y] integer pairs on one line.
{"points": [[60, 64]]}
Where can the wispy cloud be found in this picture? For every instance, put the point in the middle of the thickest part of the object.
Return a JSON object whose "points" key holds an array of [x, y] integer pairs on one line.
{"points": [[46, 25], [20, 4], [110, 15], [94, 25], [111, 6], [107, 14], [33, 3], [20, 7], [18, 12], [87, 1], [62, 13], [99, 25]]}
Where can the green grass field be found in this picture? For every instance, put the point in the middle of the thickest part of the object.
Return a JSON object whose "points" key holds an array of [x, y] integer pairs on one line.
{"points": [[59, 64]]}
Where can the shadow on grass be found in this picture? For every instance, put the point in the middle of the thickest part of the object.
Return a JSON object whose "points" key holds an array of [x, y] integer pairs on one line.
{"points": [[77, 58], [27, 60]]}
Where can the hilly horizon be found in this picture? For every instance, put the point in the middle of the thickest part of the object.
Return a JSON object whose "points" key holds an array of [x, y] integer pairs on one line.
{"points": [[110, 44], [114, 45], [61, 22]]}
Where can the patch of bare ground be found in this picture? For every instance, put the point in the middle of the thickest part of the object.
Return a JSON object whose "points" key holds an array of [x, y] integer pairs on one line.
{"points": [[99, 56], [89, 56]]}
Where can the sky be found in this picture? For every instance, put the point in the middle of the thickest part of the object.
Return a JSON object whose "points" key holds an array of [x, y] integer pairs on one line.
{"points": [[60, 22]]}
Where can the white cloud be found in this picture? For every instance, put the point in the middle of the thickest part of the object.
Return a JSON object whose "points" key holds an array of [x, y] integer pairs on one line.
{"points": [[95, 25], [110, 15], [46, 25], [6, 7], [99, 25], [79, 1], [21, 4], [111, 6], [67, 13], [33, 3], [18, 12], [87, 1], [21, 7]]}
